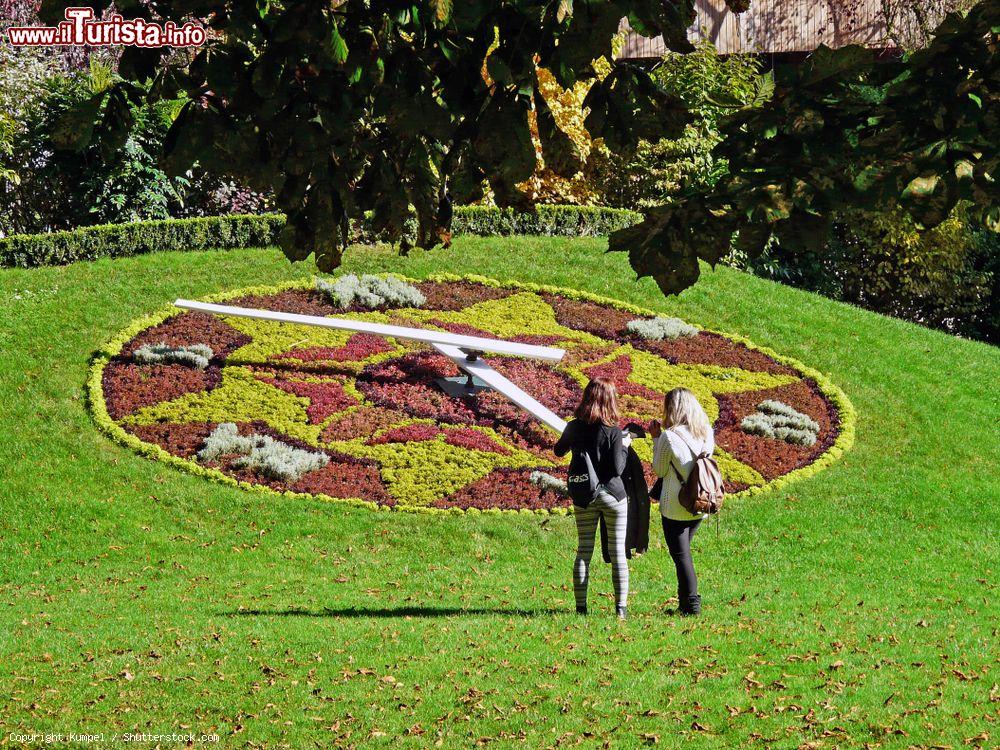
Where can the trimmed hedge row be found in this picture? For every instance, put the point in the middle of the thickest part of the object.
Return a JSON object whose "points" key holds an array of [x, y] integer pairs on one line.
{"points": [[137, 238], [227, 232], [548, 221]]}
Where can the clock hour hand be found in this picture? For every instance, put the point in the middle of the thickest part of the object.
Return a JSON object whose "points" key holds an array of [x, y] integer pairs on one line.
{"points": [[479, 369]]}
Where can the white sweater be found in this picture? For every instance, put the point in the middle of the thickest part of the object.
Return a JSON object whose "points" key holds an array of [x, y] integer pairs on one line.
{"points": [[671, 447]]}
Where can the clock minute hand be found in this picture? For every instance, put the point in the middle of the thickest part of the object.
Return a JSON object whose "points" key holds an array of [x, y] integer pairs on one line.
{"points": [[463, 350], [422, 335]]}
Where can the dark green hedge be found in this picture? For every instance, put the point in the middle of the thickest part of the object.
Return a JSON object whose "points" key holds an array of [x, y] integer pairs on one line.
{"points": [[550, 221], [226, 232], [121, 240]]}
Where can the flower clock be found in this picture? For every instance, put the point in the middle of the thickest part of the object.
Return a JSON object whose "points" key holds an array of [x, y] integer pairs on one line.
{"points": [[358, 418]]}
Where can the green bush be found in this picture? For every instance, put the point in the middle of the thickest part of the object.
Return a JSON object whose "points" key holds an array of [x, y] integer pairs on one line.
{"points": [[61, 185], [711, 86], [226, 232], [122, 240], [547, 221], [945, 277]]}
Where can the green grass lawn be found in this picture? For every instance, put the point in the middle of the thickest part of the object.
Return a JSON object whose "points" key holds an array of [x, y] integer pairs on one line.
{"points": [[859, 606]]}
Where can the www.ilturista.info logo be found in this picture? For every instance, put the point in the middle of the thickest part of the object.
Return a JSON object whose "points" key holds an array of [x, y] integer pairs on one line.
{"points": [[80, 28]]}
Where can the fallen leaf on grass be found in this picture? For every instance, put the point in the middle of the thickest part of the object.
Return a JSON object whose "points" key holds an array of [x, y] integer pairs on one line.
{"points": [[752, 681]]}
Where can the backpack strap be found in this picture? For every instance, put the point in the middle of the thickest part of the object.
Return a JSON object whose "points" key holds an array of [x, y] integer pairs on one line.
{"points": [[672, 464]]}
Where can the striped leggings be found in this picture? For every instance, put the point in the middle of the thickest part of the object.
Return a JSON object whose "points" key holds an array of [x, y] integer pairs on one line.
{"points": [[615, 514]]}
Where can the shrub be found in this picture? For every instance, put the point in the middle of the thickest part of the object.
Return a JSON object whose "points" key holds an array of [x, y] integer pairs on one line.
{"points": [[659, 328], [943, 277], [195, 355], [546, 482], [546, 221], [779, 421], [138, 238], [210, 195], [63, 186], [370, 292], [710, 86], [261, 453], [226, 232]]}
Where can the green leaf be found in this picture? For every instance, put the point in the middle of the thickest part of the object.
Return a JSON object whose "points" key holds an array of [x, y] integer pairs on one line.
{"points": [[921, 187], [338, 46]]}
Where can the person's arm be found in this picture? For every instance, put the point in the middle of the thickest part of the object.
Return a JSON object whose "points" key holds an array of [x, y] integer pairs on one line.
{"points": [[565, 441], [618, 451]]}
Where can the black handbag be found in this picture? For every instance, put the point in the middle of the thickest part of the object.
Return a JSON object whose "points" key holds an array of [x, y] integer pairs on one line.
{"points": [[582, 481]]}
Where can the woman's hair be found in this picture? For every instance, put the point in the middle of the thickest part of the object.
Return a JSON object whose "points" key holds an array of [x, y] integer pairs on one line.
{"points": [[680, 407], [599, 403]]}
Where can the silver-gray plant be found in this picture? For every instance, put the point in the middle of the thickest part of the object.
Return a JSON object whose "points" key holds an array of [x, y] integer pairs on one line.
{"points": [[779, 421], [659, 328], [545, 481], [193, 355], [371, 292], [262, 453]]}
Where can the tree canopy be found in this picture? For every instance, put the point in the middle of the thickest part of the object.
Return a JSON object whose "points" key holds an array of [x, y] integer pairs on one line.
{"points": [[350, 106], [843, 131], [379, 105]]}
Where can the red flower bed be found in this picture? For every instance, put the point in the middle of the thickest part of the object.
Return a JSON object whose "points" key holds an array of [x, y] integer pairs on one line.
{"points": [[600, 320], [297, 301], [411, 433], [325, 399], [711, 349], [770, 457], [365, 420], [346, 476], [359, 347], [182, 440], [507, 489], [457, 295], [618, 371], [474, 440], [187, 329], [128, 387]]}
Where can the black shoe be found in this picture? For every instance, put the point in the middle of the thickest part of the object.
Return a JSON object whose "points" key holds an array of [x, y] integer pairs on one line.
{"points": [[581, 610], [690, 607], [622, 613]]}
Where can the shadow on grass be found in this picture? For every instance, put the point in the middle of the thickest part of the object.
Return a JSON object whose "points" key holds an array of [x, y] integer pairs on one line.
{"points": [[376, 612]]}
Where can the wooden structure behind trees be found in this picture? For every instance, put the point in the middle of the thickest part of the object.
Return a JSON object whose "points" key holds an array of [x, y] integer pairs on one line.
{"points": [[800, 26]]}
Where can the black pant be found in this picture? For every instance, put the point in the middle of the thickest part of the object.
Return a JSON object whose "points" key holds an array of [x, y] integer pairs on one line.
{"points": [[678, 535]]}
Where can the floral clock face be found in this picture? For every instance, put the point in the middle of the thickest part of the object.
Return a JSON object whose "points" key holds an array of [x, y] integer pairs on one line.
{"points": [[357, 417]]}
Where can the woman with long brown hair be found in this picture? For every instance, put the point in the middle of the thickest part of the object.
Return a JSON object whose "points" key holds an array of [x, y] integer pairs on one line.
{"points": [[595, 434]]}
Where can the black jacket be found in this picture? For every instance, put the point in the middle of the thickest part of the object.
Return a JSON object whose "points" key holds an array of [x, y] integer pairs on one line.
{"points": [[604, 444]]}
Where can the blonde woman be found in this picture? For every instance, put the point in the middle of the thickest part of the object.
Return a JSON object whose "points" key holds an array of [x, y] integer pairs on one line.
{"points": [[595, 432], [684, 434]]}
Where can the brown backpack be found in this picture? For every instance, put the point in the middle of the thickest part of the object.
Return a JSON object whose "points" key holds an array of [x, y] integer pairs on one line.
{"points": [[702, 492]]}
